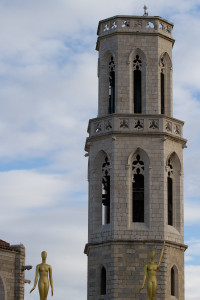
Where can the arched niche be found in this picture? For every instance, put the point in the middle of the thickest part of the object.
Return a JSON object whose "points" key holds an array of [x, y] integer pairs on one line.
{"points": [[101, 190], [137, 75], [173, 183], [165, 65], [107, 72], [138, 162], [174, 284]]}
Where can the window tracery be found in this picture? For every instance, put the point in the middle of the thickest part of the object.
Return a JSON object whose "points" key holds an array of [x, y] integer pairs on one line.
{"points": [[162, 83], [103, 281], [172, 282], [137, 74], [106, 191], [138, 189], [170, 192], [111, 67], [137, 63]]}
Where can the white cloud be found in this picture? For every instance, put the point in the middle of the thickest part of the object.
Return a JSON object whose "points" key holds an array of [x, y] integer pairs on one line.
{"points": [[48, 91], [192, 282]]}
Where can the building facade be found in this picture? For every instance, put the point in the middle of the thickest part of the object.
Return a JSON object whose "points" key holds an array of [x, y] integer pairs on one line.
{"points": [[12, 271], [135, 168]]}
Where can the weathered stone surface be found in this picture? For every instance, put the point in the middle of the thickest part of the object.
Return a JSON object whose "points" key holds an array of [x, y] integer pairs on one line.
{"points": [[123, 247], [12, 259]]}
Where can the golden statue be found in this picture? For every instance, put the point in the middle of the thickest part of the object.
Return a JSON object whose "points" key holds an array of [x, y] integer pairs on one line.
{"points": [[45, 272], [150, 273]]}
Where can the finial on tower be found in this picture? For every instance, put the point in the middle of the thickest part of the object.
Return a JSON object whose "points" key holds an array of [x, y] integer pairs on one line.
{"points": [[145, 11]]}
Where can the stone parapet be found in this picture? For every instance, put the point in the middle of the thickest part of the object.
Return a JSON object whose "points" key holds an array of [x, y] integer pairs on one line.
{"points": [[137, 123], [135, 25]]}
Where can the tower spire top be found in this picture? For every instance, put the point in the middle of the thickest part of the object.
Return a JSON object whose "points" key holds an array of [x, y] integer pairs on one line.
{"points": [[145, 11]]}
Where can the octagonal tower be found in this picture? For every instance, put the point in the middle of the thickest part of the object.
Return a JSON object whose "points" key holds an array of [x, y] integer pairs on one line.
{"points": [[135, 163]]}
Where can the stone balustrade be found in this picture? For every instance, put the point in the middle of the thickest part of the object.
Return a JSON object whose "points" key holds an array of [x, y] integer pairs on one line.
{"points": [[118, 123], [135, 24]]}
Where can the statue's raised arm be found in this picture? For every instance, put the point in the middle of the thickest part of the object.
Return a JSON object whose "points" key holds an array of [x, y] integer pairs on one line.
{"points": [[161, 255], [150, 274], [44, 271]]}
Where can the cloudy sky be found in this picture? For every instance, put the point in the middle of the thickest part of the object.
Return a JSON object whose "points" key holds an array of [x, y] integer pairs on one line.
{"points": [[48, 91]]}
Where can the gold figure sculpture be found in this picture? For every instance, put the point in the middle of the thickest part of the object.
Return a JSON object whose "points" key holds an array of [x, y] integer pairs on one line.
{"points": [[45, 273], [150, 274]]}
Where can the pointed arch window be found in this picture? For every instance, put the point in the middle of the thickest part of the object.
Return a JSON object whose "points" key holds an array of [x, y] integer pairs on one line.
{"points": [[138, 189], [137, 83], [162, 85], [172, 282], [111, 108], [174, 195], [106, 191], [103, 281], [170, 193]]}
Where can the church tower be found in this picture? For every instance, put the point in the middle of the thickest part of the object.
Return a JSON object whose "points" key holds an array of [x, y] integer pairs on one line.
{"points": [[135, 169]]}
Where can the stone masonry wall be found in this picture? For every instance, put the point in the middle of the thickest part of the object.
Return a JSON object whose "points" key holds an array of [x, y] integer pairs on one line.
{"points": [[11, 275], [125, 266]]}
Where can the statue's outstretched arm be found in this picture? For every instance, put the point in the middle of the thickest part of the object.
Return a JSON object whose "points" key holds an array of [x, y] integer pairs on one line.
{"points": [[51, 279], [161, 255], [36, 278], [145, 276]]}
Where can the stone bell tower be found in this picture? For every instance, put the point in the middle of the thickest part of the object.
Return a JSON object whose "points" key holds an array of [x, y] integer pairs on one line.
{"points": [[135, 167]]}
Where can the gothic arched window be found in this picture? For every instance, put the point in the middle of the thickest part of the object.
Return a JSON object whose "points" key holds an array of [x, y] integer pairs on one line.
{"points": [[138, 189], [103, 281], [172, 282], [173, 187], [170, 193], [162, 85], [137, 83], [165, 66], [111, 109], [106, 191]]}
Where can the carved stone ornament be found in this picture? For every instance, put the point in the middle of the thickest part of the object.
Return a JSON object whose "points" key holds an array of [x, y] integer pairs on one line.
{"points": [[139, 124], [149, 25], [138, 24], [125, 23], [98, 127], [177, 129], [154, 124], [108, 125], [111, 65], [137, 63], [106, 27], [138, 165], [169, 168], [124, 123], [168, 126], [114, 25]]}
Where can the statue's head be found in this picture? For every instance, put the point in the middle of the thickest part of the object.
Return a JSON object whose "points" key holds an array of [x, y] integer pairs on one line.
{"points": [[152, 255], [44, 254]]}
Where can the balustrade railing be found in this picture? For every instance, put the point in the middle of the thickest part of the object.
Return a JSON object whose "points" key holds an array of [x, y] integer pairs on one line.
{"points": [[136, 123]]}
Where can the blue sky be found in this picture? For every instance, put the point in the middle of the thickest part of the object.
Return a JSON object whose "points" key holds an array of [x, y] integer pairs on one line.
{"points": [[48, 91]]}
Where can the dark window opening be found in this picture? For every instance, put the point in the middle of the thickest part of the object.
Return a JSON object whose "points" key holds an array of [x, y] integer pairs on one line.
{"points": [[137, 91], [170, 200], [138, 198], [111, 108], [172, 282], [162, 79], [103, 281], [111, 92], [138, 190], [106, 192]]}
